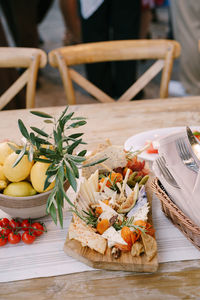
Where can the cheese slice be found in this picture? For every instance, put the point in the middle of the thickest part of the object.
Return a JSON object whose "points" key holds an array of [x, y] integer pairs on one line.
{"points": [[93, 181], [142, 213], [113, 237], [108, 211], [109, 192], [87, 237]]}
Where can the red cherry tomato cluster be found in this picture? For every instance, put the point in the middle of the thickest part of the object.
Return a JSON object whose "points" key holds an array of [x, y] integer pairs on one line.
{"points": [[9, 231]]}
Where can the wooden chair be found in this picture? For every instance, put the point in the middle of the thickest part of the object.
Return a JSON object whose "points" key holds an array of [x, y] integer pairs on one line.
{"points": [[26, 58], [163, 50]]}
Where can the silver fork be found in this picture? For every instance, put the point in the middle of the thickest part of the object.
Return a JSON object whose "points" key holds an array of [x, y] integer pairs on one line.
{"points": [[160, 161], [186, 155]]}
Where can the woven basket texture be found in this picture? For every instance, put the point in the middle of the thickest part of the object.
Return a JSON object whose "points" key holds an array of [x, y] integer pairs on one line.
{"points": [[178, 218]]}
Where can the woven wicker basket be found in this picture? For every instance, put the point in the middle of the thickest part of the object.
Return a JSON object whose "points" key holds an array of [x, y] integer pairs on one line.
{"points": [[178, 218]]}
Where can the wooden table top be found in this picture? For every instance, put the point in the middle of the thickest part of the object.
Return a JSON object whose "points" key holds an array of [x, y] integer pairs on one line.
{"points": [[177, 280]]}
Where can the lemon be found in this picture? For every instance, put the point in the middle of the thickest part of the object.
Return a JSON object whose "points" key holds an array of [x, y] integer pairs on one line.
{"points": [[38, 177], [3, 184], [2, 176], [19, 189], [20, 171], [5, 150]]}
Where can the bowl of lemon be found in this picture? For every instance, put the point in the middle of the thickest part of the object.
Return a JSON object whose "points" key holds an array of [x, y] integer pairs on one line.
{"points": [[22, 191], [35, 175]]}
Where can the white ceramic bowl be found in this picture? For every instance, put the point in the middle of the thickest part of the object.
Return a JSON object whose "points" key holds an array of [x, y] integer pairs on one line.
{"points": [[26, 207]]}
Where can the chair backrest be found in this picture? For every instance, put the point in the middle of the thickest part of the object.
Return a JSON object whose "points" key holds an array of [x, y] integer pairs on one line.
{"points": [[30, 59], [163, 50]]}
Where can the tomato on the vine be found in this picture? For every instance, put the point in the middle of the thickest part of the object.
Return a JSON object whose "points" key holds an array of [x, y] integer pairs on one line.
{"points": [[28, 238], [14, 224], [38, 229], [4, 222], [9, 231], [14, 238], [5, 231], [3, 240], [25, 224]]}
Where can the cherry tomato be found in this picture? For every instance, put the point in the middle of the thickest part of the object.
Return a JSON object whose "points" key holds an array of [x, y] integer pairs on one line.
{"points": [[25, 224], [6, 231], [197, 134], [38, 229], [28, 238], [14, 224], [3, 240], [14, 238], [151, 149], [4, 222]]}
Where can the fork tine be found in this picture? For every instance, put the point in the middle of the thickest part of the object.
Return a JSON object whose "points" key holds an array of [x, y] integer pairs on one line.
{"points": [[185, 150], [183, 154], [160, 161], [186, 156], [181, 149]]}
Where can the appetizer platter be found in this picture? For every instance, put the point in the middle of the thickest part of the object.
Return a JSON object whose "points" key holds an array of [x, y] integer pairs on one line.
{"points": [[112, 225]]}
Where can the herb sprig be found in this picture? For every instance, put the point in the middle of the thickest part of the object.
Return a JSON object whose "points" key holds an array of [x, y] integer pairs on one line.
{"points": [[87, 216], [57, 148]]}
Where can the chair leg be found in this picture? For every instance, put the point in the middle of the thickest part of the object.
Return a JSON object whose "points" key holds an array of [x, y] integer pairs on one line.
{"points": [[31, 85]]}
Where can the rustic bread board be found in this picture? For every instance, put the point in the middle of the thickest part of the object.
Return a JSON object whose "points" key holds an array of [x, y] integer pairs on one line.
{"points": [[126, 262]]}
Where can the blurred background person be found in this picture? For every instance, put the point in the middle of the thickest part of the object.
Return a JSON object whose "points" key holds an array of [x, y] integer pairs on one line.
{"points": [[105, 20], [70, 13], [186, 29], [23, 17], [147, 7]]}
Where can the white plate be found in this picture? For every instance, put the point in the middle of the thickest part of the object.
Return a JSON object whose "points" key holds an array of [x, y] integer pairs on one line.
{"points": [[137, 141]]}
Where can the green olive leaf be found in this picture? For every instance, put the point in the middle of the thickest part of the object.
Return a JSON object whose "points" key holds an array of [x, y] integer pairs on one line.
{"points": [[95, 162], [82, 153], [75, 135], [53, 212], [77, 124], [20, 156], [23, 129], [72, 179], [39, 131], [41, 114]]}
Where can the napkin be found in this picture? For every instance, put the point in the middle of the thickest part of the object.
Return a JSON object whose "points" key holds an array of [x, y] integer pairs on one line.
{"points": [[187, 198], [178, 196]]}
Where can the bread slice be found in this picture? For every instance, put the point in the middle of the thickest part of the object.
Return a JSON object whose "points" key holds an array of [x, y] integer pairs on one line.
{"points": [[116, 157], [87, 237]]}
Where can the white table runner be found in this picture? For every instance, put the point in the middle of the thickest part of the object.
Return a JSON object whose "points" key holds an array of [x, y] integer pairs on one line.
{"points": [[45, 257]]}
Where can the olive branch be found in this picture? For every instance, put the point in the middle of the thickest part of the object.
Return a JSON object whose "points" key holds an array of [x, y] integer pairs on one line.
{"points": [[57, 148]]}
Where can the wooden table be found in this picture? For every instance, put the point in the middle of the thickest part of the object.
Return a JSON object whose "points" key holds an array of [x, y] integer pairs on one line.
{"points": [[177, 280]]}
